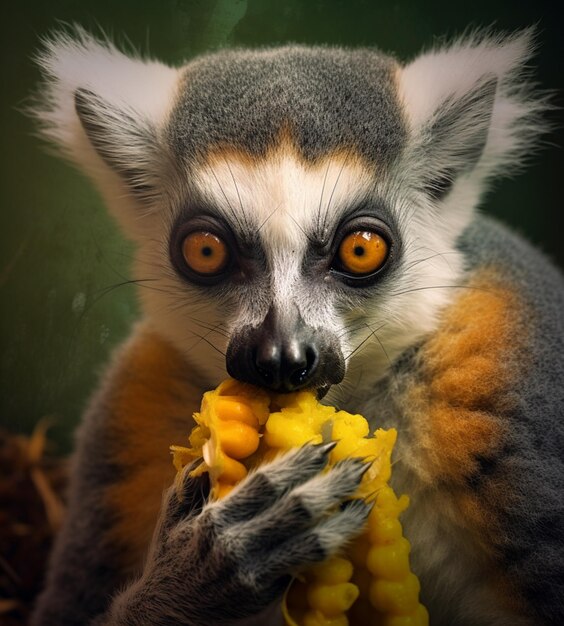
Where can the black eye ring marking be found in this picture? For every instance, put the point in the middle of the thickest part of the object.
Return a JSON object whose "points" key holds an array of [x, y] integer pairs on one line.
{"points": [[358, 242], [203, 251]]}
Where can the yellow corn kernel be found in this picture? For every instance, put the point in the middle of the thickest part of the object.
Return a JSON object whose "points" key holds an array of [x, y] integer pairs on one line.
{"points": [[283, 431], [391, 561], [331, 599], [347, 425], [233, 471], [334, 570], [384, 531], [238, 440], [395, 598], [223, 489], [346, 447], [254, 397], [299, 421], [231, 408], [388, 504]]}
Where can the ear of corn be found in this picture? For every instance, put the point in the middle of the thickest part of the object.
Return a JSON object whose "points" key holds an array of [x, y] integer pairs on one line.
{"points": [[240, 426], [227, 431]]}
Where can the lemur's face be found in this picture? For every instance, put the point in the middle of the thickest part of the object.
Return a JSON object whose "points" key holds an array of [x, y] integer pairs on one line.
{"points": [[292, 253], [296, 209], [291, 240]]}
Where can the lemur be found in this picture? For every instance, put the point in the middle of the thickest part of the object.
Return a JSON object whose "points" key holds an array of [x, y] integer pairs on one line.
{"points": [[306, 217]]}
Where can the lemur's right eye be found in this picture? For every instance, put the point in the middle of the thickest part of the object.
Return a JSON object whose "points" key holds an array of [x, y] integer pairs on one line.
{"points": [[205, 253], [362, 252]]}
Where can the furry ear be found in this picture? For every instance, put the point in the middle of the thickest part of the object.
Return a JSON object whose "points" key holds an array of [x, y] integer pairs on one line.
{"points": [[470, 109], [105, 110], [127, 142]]}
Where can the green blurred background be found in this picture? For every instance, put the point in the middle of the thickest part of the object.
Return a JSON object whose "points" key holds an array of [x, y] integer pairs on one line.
{"points": [[61, 257]]}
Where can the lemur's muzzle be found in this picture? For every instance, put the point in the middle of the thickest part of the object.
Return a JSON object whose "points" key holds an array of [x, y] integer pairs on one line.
{"points": [[284, 354]]}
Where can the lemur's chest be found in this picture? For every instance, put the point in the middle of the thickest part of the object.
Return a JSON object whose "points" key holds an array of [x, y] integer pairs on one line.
{"points": [[451, 404]]}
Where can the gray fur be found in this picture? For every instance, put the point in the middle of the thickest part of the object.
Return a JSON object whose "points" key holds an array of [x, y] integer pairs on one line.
{"points": [[83, 591], [327, 98], [533, 459]]}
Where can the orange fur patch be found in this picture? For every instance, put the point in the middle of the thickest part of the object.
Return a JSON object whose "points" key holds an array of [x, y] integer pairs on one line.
{"points": [[459, 401], [285, 147], [468, 367], [152, 407]]}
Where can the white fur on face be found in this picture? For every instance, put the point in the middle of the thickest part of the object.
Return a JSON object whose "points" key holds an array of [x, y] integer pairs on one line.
{"points": [[284, 200], [287, 201]]}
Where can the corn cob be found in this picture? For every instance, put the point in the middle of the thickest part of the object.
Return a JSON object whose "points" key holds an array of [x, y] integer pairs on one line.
{"points": [[240, 426], [228, 430]]}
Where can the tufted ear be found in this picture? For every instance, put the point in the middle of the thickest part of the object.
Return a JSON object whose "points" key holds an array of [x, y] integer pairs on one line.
{"points": [[470, 109], [126, 141], [104, 110]]}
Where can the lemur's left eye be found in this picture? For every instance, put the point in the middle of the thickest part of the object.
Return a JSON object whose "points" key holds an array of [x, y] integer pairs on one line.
{"points": [[362, 252], [205, 253]]}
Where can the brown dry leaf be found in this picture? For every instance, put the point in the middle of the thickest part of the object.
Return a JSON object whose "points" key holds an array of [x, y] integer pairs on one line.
{"points": [[6, 606], [31, 509]]}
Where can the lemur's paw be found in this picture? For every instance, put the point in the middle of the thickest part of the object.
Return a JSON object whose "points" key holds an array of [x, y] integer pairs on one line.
{"points": [[184, 500], [285, 516], [270, 482]]}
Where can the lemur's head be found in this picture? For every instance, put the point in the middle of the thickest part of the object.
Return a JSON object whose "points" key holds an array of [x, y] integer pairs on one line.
{"points": [[296, 209]]}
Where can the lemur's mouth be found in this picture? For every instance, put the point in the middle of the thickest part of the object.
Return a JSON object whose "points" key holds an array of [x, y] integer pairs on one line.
{"points": [[322, 391]]}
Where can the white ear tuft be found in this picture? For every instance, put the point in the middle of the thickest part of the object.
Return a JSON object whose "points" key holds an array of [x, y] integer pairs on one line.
{"points": [[128, 96], [437, 80]]}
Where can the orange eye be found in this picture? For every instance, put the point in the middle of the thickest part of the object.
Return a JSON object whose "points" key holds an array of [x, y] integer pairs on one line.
{"points": [[205, 253], [362, 252]]}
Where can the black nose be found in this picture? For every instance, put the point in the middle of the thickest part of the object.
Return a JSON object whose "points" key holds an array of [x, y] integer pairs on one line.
{"points": [[284, 354], [287, 365]]}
